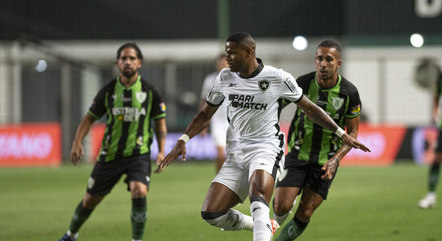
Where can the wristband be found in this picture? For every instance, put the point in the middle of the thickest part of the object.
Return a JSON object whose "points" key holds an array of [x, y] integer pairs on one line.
{"points": [[339, 132], [184, 138]]}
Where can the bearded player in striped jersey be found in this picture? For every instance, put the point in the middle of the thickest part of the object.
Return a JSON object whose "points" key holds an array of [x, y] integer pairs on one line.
{"points": [[255, 145], [315, 152], [131, 104]]}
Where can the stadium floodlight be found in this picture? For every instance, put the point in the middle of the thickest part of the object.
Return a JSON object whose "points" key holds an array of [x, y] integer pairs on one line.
{"points": [[41, 65], [417, 40], [300, 43]]}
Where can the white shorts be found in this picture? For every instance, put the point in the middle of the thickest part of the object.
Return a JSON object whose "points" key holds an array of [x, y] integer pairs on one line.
{"points": [[242, 163], [218, 130]]}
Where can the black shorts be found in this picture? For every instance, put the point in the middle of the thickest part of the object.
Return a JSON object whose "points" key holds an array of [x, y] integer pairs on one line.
{"points": [[300, 173], [105, 175], [439, 141]]}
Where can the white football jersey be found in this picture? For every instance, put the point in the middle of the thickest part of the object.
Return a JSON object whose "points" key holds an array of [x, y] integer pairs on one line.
{"points": [[254, 103]]}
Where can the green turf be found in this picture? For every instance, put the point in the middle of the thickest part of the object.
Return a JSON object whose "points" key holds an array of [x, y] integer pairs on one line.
{"points": [[373, 204]]}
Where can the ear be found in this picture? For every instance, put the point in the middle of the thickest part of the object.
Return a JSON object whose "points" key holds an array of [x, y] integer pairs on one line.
{"points": [[339, 63]]}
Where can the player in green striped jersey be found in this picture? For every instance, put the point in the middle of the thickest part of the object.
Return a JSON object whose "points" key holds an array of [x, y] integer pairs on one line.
{"points": [[315, 152], [430, 199], [131, 104]]}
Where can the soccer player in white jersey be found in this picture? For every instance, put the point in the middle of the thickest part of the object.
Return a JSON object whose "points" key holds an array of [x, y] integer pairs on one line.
{"points": [[254, 94], [218, 123]]}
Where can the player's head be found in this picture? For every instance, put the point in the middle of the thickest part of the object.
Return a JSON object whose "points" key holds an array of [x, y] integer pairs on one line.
{"points": [[221, 62], [328, 59], [240, 49], [129, 59]]}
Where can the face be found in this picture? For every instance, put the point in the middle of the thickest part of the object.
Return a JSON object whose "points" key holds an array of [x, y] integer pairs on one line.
{"points": [[328, 61], [128, 62], [236, 56]]}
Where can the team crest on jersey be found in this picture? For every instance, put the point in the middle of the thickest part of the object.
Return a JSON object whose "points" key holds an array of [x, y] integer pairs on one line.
{"points": [[264, 85], [141, 96], [337, 102]]}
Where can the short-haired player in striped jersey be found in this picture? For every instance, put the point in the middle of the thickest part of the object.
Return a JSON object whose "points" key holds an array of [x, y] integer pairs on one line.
{"points": [[130, 104], [314, 151], [255, 145]]}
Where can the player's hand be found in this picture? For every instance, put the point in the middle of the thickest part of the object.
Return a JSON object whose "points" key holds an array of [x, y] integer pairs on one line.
{"points": [[160, 158], [178, 150], [330, 168], [77, 153], [353, 142]]}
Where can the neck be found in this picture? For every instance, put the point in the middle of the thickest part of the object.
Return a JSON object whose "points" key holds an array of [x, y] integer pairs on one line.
{"points": [[128, 81], [249, 69], [328, 83]]}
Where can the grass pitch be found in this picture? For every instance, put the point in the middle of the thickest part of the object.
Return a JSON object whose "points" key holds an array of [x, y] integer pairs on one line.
{"points": [[365, 203]]}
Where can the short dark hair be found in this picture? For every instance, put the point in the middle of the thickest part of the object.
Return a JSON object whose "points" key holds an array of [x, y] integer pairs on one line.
{"points": [[330, 44], [130, 45], [242, 38]]}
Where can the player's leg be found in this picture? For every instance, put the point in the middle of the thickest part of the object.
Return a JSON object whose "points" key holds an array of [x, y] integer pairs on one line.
{"points": [[138, 170], [288, 187], [102, 180], [429, 200], [310, 200], [138, 215], [283, 202], [261, 191], [217, 209]]}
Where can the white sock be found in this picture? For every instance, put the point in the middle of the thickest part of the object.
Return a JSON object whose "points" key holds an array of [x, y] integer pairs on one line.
{"points": [[262, 229], [233, 220]]}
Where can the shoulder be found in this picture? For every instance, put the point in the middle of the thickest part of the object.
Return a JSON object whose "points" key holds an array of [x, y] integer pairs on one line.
{"points": [[348, 86], [226, 74], [109, 86], [306, 77]]}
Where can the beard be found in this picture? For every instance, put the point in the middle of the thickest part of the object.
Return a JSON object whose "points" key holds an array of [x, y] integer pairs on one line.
{"points": [[129, 73]]}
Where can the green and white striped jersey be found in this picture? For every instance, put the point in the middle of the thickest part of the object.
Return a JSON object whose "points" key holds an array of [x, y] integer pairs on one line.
{"points": [[129, 112], [310, 142]]}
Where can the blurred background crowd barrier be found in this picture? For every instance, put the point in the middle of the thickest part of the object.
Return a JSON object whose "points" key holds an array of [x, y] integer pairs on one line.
{"points": [[53, 61]]}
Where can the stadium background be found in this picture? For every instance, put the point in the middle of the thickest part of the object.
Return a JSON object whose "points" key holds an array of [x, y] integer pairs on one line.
{"points": [[55, 55]]}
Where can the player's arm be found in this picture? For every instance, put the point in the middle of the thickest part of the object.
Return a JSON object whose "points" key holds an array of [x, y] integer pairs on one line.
{"points": [[321, 118], [199, 123], [160, 133], [77, 150], [331, 165], [435, 112]]}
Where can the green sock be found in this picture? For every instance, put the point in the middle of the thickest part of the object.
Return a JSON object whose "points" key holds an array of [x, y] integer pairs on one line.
{"points": [[291, 230], [434, 176], [79, 217], [138, 217]]}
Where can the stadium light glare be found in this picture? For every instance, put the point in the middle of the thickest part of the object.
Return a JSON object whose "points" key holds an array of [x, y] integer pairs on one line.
{"points": [[300, 43], [41, 65], [417, 40]]}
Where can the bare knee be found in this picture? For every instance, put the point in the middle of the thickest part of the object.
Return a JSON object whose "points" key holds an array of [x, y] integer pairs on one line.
{"points": [[281, 207], [138, 189], [91, 201]]}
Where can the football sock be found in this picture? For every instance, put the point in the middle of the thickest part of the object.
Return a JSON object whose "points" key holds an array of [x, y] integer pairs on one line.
{"points": [[79, 217], [434, 176], [280, 219], [231, 220], [262, 229], [138, 217], [291, 230]]}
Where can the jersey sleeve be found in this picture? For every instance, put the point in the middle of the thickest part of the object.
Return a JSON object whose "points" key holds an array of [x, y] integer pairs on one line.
{"points": [[289, 88], [98, 106], [215, 96], [158, 105], [354, 106]]}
